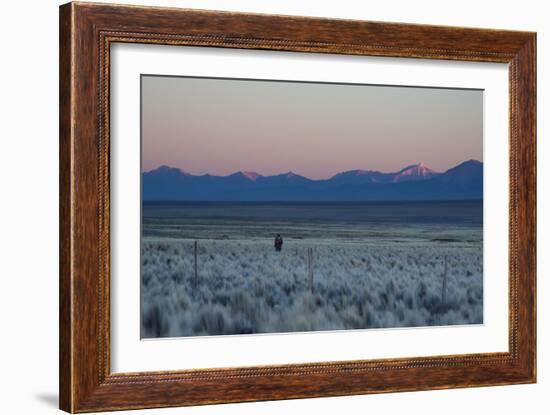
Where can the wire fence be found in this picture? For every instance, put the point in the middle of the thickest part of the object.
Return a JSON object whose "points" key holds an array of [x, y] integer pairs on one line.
{"points": [[310, 261]]}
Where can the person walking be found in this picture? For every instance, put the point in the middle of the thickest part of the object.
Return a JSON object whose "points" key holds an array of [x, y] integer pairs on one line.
{"points": [[278, 243]]}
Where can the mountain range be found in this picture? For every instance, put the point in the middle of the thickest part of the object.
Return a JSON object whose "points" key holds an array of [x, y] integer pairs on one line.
{"points": [[416, 182]]}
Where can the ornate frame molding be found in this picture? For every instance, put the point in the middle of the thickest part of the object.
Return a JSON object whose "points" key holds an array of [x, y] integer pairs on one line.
{"points": [[86, 33]]}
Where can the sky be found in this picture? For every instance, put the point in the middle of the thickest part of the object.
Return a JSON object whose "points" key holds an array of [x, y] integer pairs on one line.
{"points": [[221, 126]]}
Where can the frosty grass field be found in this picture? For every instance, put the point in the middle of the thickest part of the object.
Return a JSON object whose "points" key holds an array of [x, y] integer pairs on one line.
{"points": [[373, 266]]}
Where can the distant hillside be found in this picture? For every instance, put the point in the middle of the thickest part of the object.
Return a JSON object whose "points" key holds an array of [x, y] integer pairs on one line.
{"points": [[416, 182]]}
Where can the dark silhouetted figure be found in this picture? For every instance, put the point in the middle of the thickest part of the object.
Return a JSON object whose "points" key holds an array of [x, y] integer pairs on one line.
{"points": [[278, 242]]}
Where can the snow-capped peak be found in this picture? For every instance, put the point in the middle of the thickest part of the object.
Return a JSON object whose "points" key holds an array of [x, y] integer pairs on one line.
{"points": [[164, 169], [252, 175], [415, 171]]}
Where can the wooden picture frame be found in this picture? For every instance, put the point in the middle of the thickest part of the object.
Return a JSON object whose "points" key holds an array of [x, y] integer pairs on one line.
{"points": [[86, 33]]}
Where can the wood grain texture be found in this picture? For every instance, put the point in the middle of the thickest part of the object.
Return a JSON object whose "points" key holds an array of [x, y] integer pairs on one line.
{"points": [[86, 33], [65, 246]]}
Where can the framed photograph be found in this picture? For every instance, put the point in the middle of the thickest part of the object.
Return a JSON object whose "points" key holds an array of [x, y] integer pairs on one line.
{"points": [[258, 207]]}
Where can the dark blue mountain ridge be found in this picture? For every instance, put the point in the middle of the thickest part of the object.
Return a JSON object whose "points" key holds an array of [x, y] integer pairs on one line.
{"points": [[413, 183]]}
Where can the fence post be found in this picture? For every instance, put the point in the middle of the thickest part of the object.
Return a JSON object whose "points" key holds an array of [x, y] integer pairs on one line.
{"points": [[310, 267], [196, 280], [444, 288]]}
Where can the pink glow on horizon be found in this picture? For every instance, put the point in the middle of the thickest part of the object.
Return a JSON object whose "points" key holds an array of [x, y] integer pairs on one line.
{"points": [[221, 127]]}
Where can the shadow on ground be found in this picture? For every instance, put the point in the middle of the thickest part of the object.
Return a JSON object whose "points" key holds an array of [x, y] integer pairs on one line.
{"points": [[50, 399]]}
